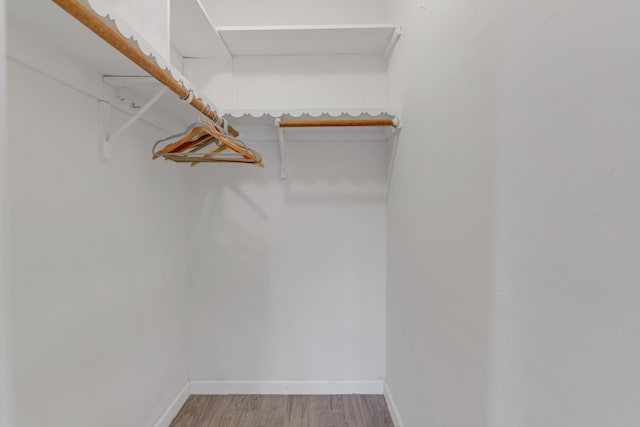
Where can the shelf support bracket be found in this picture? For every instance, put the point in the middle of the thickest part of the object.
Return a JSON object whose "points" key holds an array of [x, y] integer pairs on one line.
{"points": [[136, 116], [397, 32], [283, 158], [393, 139]]}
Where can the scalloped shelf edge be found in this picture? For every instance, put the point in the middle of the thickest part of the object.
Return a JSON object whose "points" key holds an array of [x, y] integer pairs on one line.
{"points": [[101, 8], [274, 114]]}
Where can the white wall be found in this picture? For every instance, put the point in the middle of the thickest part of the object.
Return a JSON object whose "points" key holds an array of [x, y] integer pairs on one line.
{"points": [[324, 82], [6, 394], [97, 256], [297, 12], [440, 213], [288, 276], [513, 299], [567, 346], [308, 82]]}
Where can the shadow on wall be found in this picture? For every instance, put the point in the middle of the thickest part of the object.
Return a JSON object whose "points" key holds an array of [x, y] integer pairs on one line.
{"points": [[278, 266], [324, 172]]}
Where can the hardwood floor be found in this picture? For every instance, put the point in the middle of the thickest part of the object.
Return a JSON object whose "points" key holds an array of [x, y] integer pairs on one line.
{"points": [[284, 411]]}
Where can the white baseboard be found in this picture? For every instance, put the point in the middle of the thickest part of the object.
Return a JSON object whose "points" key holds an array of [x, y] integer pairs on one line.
{"points": [[287, 387], [393, 409], [167, 418]]}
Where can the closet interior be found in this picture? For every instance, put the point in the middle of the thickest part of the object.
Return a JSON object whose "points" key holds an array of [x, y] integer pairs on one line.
{"points": [[223, 279], [297, 213]]}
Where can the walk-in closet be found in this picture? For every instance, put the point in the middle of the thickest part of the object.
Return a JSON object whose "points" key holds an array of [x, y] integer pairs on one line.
{"points": [[295, 213]]}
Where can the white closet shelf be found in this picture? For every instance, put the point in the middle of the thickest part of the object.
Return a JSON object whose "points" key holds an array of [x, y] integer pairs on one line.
{"points": [[61, 29], [370, 133], [267, 117], [133, 87], [310, 39], [193, 33]]}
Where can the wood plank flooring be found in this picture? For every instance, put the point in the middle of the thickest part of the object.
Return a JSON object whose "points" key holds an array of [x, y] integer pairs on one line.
{"points": [[284, 411]]}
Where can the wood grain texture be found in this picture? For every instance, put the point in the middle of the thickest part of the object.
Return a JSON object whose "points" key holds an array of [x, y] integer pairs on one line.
{"points": [[284, 411]]}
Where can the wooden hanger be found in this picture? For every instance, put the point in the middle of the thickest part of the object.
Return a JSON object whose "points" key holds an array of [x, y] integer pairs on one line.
{"points": [[189, 146], [185, 140], [211, 154]]}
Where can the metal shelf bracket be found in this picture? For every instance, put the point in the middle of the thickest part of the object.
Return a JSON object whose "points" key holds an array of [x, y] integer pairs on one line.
{"points": [[283, 158], [393, 138], [107, 137]]}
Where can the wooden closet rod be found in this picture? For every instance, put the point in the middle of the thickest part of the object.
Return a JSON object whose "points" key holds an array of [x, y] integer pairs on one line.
{"points": [[333, 123], [95, 23]]}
